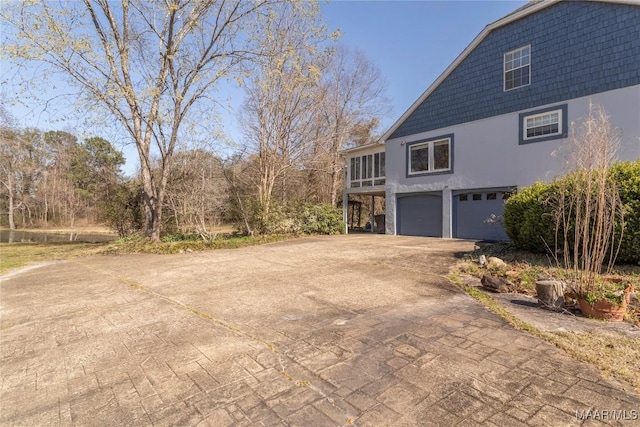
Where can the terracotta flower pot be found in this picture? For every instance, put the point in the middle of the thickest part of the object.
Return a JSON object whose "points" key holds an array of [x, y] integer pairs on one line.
{"points": [[604, 310]]}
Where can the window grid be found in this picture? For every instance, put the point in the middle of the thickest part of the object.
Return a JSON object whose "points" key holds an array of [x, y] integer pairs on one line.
{"points": [[367, 170], [543, 124], [517, 70]]}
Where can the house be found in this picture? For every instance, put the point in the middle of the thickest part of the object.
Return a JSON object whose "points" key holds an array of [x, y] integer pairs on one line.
{"points": [[491, 123]]}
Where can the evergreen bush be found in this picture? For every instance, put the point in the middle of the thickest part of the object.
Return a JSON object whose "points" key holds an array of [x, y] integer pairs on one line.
{"points": [[529, 222]]}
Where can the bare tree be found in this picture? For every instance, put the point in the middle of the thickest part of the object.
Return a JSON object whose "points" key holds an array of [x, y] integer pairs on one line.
{"points": [[353, 101], [20, 168], [279, 113], [11, 162], [196, 192], [60, 154], [151, 65]]}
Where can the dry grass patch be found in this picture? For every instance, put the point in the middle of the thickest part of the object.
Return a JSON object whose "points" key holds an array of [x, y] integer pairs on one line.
{"points": [[16, 255], [618, 356]]}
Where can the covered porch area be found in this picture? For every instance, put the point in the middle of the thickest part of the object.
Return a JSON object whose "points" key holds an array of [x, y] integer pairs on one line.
{"points": [[364, 211]]}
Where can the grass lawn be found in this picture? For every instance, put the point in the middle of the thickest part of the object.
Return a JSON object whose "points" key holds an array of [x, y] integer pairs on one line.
{"points": [[16, 255]]}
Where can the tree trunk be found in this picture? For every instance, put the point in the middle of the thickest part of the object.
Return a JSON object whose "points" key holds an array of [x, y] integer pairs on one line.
{"points": [[550, 294], [9, 185], [12, 224], [335, 180]]}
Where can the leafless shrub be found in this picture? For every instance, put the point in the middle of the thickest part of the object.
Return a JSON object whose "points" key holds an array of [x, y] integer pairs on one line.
{"points": [[587, 205]]}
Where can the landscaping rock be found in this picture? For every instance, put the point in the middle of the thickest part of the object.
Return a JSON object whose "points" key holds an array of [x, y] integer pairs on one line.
{"points": [[496, 262], [482, 260], [497, 284], [512, 274], [550, 294]]}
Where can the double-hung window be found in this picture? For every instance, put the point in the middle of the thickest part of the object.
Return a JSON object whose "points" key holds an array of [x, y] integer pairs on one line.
{"points": [[430, 156], [517, 68], [542, 124]]}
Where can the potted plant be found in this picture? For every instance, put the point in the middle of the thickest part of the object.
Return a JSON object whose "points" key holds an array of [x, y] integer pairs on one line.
{"points": [[605, 298]]}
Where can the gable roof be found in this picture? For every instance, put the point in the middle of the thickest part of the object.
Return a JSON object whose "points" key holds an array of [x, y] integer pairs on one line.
{"points": [[523, 11]]}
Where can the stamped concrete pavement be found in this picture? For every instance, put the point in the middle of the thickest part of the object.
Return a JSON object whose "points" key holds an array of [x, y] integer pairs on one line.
{"points": [[345, 330]]}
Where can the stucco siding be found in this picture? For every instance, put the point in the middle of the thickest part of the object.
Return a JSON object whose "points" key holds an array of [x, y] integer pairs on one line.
{"points": [[577, 49], [488, 154]]}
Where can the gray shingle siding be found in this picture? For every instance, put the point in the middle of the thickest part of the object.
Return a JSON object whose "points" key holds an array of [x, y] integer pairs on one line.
{"points": [[577, 49]]}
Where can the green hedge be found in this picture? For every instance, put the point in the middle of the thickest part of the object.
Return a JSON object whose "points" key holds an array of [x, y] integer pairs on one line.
{"points": [[529, 223], [627, 175], [528, 218]]}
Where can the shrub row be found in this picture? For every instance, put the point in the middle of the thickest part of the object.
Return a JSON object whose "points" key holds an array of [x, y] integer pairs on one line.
{"points": [[529, 222], [303, 218]]}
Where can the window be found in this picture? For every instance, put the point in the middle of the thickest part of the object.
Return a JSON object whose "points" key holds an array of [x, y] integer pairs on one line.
{"points": [[378, 172], [367, 170], [441, 155], [379, 162], [542, 125], [477, 196], [431, 156], [355, 172], [491, 196], [464, 197], [517, 68], [420, 158]]}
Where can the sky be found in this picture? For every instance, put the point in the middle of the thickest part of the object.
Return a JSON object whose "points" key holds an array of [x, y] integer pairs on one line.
{"points": [[411, 42]]}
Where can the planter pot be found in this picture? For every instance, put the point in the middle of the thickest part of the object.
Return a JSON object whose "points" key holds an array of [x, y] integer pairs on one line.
{"points": [[604, 310]]}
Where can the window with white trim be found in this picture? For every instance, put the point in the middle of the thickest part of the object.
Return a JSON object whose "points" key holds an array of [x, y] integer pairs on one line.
{"points": [[367, 170], [544, 124], [430, 156], [517, 68]]}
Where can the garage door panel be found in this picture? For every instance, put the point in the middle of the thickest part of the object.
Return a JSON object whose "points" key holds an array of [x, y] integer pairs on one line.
{"points": [[475, 215], [420, 215]]}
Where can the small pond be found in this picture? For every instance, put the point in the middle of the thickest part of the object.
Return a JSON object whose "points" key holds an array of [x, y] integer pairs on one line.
{"points": [[38, 237]]}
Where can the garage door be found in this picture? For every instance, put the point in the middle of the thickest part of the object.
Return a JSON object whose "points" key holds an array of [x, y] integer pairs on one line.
{"points": [[420, 215], [475, 213]]}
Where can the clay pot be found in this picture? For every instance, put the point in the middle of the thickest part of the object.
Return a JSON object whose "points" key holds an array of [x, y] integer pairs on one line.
{"points": [[604, 310]]}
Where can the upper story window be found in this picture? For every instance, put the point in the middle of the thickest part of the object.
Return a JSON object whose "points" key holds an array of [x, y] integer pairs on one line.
{"points": [[517, 68], [543, 125], [367, 170], [430, 156]]}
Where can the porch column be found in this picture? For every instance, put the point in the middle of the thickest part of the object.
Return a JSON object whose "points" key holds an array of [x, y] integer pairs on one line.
{"points": [[447, 213], [345, 211], [373, 214]]}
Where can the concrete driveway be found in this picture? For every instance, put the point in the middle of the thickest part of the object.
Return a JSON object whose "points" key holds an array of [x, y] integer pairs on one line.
{"points": [[345, 330]]}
